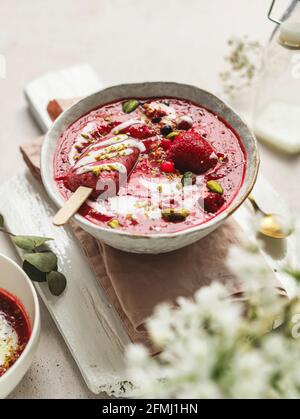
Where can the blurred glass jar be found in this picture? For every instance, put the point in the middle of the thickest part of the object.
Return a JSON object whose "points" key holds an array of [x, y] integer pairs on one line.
{"points": [[277, 108]]}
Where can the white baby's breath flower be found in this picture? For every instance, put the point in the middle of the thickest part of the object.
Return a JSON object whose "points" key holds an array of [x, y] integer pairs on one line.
{"points": [[228, 320], [250, 267], [274, 348], [211, 295], [160, 325], [289, 283], [138, 354], [214, 347], [250, 375], [208, 390]]}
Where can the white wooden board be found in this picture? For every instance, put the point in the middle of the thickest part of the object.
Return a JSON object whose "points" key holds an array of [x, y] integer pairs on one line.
{"points": [[68, 83]]}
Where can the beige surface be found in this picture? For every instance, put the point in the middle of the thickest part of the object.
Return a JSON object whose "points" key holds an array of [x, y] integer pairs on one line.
{"points": [[125, 40]]}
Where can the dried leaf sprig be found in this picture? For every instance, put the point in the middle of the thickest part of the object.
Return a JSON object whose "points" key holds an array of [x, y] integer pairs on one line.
{"points": [[39, 262], [243, 62]]}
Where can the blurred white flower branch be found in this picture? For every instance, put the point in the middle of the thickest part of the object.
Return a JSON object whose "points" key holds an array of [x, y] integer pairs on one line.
{"points": [[218, 347], [242, 65]]}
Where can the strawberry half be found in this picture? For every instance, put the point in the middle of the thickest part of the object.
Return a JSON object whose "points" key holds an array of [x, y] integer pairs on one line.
{"points": [[191, 152]]}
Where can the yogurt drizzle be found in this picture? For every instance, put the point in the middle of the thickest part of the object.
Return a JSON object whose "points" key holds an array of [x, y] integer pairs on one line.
{"points": [[115, 147]]}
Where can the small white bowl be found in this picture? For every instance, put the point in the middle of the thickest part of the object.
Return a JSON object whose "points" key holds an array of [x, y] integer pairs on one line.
{"points": [[14, 280], [151, 243]]}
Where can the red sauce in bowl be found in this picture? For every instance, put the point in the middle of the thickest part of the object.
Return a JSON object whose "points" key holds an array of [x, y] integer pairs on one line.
{"points": [[14, 330], [161, 143]]}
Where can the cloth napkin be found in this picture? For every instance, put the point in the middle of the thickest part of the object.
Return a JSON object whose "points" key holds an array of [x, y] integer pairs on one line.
{"points": [[135, 283]]}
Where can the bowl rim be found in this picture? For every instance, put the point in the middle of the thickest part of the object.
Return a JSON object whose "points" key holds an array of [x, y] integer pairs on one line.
{"points": [[233, 206], [35, 328]]}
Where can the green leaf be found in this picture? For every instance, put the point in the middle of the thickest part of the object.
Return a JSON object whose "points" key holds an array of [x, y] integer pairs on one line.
{"points": [[56, 282], [33, 273], [130, 105], [1, 221], [43, 261], [29, 243]]}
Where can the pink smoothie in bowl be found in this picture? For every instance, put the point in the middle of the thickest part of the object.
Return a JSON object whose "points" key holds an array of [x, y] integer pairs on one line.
{"points": [[156, 165]]}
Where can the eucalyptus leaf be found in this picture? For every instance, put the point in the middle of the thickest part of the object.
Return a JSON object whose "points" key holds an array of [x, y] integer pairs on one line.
{"points": [[29, 243], [33, 273], [1, 221], [43, 261], [130, 105], [56, 282]]}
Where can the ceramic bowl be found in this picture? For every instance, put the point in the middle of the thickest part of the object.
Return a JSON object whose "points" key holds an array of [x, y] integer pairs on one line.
{"points": [[14, 280], [151, 243]]}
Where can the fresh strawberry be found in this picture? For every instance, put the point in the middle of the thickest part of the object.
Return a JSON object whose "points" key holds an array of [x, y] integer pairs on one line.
{"points": [[212, 202], [167, 166], [166, 144], [191, 152]]}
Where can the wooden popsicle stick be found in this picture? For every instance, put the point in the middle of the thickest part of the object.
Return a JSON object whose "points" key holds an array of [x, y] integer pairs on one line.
{"points": [[72, 205]]}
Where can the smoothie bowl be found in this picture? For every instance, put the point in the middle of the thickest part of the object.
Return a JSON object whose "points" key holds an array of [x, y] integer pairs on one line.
{"points": [[167, 163], [19, 324]]}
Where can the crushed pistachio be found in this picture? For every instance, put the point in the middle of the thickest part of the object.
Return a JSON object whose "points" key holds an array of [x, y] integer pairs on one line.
{"points": [[114, 224], [215, 186], [84, 135], [172, 135], [141, 204], [96, 171], [105, 167], [175, 214], [112, 152], [130, 105]]}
